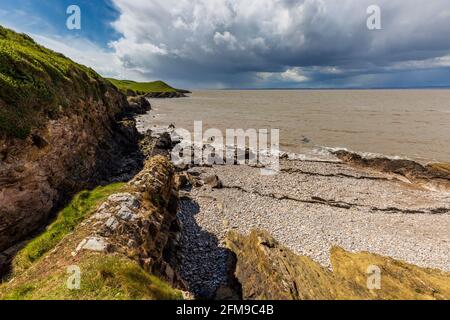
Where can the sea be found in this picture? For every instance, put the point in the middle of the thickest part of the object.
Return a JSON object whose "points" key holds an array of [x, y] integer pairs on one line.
{"points": [[402, 123]]}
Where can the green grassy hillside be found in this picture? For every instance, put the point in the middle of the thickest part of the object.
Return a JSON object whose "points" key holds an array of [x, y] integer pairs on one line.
{"points": [[143, 87], [37, 84]]}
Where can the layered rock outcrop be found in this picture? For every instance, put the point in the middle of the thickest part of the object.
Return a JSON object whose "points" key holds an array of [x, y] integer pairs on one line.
{"points": [[141, 223], [137, 226], [138, 104], [267, 270]]}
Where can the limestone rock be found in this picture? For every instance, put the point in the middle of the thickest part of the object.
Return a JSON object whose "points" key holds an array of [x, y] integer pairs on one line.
{"points": [[93, 244]]}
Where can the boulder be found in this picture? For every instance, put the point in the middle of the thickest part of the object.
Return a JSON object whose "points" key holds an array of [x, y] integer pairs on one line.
{"points": [[164, 141], [213, 181], [139, 104]]}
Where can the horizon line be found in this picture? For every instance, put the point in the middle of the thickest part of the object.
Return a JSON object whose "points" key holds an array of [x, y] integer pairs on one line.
{"points": [[329, 88]]}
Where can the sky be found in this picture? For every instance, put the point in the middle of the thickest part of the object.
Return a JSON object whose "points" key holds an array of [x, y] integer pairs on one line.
{"points": [[219, 44]]}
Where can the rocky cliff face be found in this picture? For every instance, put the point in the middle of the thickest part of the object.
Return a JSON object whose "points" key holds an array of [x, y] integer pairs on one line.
{"points": [[267, 270], [135, 227], [61, 131], [141, 223], [73, 153]]}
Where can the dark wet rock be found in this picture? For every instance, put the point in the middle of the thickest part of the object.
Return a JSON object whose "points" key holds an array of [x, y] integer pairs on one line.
{"points": [[164, 141], [161, 95], [155, 144], [306, 140], [139, 104], [182, 181], [432, 176], [196, 172]]}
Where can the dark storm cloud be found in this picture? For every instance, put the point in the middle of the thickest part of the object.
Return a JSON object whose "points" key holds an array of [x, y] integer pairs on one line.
{"points": [[259, 43]]}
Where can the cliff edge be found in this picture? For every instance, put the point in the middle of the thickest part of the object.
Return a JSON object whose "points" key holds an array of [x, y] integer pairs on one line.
{"points": [[125, 248], [62, 130]]}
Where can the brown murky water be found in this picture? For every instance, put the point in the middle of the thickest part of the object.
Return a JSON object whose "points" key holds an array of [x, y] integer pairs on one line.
{"points": [[404, 123]]}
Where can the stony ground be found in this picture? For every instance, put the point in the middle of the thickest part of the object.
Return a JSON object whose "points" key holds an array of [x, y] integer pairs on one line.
{"points": [[309, 207]]}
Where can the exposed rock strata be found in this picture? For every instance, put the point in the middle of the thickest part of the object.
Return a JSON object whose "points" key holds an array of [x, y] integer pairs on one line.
{"points": [[267, 270], [71, 153], [138, 225], [141, 224]]}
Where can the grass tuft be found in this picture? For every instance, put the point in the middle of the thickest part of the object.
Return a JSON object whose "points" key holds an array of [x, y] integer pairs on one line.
{"points": [[102, 278]]}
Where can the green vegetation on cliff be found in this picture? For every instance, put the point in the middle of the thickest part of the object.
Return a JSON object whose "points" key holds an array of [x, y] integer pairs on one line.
{"points": [[38, 84], [40, 269], [143, 87], [81, 206], [103, 278], [131, 233]]}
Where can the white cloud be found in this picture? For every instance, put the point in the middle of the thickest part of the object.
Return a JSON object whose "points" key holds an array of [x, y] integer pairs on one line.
{"points": [[225, 39], [219, 43], [107, 63], [294, 75]]}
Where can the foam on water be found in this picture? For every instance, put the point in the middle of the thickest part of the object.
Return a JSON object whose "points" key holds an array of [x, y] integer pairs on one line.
{"points": [[398, 124]]}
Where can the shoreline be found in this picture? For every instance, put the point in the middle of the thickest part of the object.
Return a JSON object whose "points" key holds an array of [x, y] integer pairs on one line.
{"points": [[311, 206], [311, 151], [428, 170], [395, 125], [82, 188]]}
